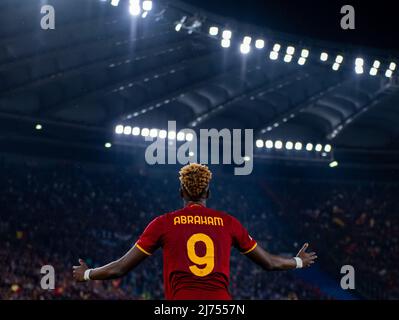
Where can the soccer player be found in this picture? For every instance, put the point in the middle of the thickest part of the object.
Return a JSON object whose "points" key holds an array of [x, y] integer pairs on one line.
{"points": [[196, 243]]}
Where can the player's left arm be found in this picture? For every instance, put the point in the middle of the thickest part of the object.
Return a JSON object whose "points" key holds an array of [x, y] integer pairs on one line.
{"points": [[115, 269]]}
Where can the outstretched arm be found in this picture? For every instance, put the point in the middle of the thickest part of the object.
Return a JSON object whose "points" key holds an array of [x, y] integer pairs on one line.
{"points": [[115, 269], [272, 262]]}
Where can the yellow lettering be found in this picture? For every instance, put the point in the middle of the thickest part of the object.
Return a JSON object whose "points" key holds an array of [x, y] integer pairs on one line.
{"points": [[218, 221], [183, 219], [176, 220], [190, 219], [197, 220], [210, 221]]}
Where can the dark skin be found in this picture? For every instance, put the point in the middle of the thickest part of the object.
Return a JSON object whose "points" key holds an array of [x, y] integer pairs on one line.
{"points": [[134, 256]]}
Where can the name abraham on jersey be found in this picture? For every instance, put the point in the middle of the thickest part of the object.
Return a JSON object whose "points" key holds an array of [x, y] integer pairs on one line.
{"points": [[211, 221]]}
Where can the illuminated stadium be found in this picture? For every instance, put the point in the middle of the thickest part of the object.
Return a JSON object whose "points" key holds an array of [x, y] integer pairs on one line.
{"points": [[81, 104]]}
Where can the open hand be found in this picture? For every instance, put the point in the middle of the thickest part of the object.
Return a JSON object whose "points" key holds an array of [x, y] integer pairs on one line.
{"points": [[307, 258], [79, 271]]}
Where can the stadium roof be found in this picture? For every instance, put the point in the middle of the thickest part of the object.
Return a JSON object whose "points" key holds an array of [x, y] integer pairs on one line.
{"points": [[101, 67]]}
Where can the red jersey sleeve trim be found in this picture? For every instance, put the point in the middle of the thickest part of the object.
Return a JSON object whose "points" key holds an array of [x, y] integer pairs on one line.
{"points": [[141, 249], [248, 251]]}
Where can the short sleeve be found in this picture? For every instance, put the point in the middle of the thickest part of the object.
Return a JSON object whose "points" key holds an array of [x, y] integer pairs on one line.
{"points": [[151, 239], [241, 238]]}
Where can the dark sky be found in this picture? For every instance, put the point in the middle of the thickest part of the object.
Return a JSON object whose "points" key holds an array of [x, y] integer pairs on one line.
{"points": [[377, 22]]}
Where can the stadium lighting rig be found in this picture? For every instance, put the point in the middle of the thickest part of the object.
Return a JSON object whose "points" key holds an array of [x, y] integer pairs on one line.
{"points": [[289, 145]]}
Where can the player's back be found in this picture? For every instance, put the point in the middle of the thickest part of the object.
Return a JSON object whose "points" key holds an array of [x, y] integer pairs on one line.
{"points": [[196, 245]]}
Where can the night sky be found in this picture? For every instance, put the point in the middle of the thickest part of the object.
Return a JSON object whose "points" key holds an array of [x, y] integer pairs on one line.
{"points": [[377, 22]]}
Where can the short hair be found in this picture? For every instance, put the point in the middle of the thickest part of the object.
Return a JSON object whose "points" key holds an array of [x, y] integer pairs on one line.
{"points": [[195, 179]]}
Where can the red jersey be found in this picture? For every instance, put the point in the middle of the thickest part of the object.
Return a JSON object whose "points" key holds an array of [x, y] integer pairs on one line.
{"points": [[196, 244]]}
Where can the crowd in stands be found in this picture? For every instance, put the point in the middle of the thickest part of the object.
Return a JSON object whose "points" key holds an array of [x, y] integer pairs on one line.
{"points": [[55, 213]]}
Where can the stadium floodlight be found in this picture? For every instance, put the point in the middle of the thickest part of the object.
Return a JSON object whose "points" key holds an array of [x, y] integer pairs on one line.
{"points": [[392, 66], [259, 143], [191, 154], [153, 133], [335, 66], [327, 148], [147, 5], [225, 43], [119, 129], [289, 145], [145, 132], [333, 164], [178, 26], [388, 73], [38, 127], [278, 144], [213, 31], [134, 8], [309, 147], [298, 146], [171, 135], [115, 3], [373, 71], [189, 136], [287, 58], [305, 53], [301, 61], [127, 130], [247, 158], [319, 147], [324, 56], [290, 50], [269, 144], [247, 40], [359, 69], [376, 64], [259, 44], [136, 131], [245, 48], [276, 47], [108, 145], [339, 59], [163, 134], [180, 136], [273, 55], [144, 14], [359, 62], [226, 34]]}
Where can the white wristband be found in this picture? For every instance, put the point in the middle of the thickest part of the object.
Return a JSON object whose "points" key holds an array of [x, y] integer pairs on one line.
{"points": [[86, 275], [299, 263]]}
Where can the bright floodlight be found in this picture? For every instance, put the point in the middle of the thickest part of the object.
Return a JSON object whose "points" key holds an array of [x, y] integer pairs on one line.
{"points": [[327, 148], [333, 164], [373, 71], [189, 136], [115, 3], [278, 144], [298, 146], [136, 131], [277, 47], [171, 135], [191, 154], [163, 134], [153, 133], [180, 136], [273, 55], [339, 59], [134, 8], [309, 147], [359, 62], [287, 58], [225, 43], [301, 61], [213, 31], [147, 5], [145, 132], [305, 53], [119, 129], [376, 64], [38, 126], [259, 44], [335, 66], [178, 27], [226, 34], [247, 40], [246, 158], [290, 50], [108, 145], [319, 147], [388, 73], [127, 130], [259, 143], [289, 145], [392, 66], [324, 56], [245, 48], [269, 144], [359, 69]]}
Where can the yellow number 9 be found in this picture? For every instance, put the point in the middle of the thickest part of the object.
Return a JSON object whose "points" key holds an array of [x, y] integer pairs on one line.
{"points": [[208, 259]]}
